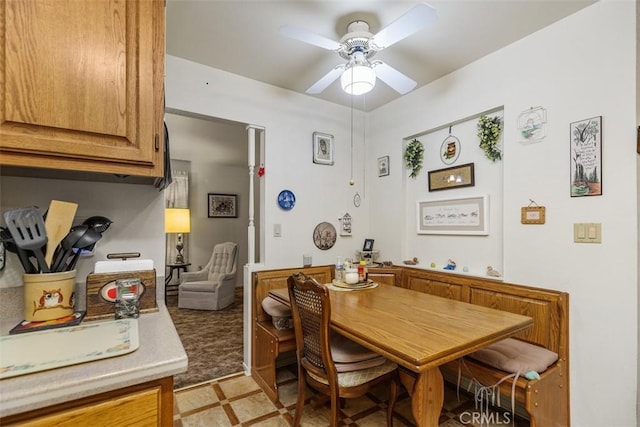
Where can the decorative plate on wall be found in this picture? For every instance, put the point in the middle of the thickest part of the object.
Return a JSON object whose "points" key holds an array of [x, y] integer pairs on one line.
{"points": [[324, 236], [286, 200]]}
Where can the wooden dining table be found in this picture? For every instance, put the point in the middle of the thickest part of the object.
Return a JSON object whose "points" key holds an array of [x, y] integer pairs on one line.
{"points": [[419, 332]]}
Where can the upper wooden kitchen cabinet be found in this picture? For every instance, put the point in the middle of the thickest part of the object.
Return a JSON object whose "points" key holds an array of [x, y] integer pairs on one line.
{"points": [[82, 85]]}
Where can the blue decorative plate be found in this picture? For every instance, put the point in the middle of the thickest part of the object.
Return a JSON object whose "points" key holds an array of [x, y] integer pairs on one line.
{"points": [[286, 200]]}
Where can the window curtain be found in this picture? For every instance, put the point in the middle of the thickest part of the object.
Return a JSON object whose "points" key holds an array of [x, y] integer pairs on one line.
{"points": [[176, 195]]}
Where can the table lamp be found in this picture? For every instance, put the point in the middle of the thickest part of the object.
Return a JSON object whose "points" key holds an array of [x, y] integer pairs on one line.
{"points": [[177, 221]]}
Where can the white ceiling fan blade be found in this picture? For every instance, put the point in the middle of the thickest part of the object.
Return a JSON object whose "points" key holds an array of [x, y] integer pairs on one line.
{"points": [[326, 80], [309, 37], [394, 78], [417, 18]]}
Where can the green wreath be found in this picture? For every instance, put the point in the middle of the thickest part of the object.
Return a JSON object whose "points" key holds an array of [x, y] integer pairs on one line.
{"points": [[489, 130], [413, 156]]}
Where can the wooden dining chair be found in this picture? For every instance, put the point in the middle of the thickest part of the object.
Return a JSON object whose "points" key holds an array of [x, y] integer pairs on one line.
{"points": [[311, 310]]}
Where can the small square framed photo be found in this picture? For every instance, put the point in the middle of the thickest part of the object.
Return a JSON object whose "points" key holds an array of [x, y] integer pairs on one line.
{"points": [[368, 245], [223, 205], [322, 148], [383, 166]]}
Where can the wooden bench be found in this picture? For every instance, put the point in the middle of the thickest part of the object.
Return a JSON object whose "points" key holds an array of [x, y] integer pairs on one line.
{"points": [[270, 345], [546, 400]]}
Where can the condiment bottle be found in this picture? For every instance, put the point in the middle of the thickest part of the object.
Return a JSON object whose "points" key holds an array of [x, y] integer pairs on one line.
{"points": [[362, 271], [339, 270]]}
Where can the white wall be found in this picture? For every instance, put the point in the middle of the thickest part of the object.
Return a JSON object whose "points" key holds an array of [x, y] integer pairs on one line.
{"points": [[137, 212], [322, 192], [469, 253], [580, 67]]}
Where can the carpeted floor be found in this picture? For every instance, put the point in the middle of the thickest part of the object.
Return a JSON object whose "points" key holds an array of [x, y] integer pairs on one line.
{"points": [[212, 340]]}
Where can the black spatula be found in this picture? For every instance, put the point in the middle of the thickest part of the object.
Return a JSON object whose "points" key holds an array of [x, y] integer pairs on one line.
{"points": [[27, 229]]}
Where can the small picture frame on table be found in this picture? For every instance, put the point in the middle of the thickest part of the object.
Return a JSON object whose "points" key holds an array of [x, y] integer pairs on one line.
{"points": [[322, 148], [368, 245]]}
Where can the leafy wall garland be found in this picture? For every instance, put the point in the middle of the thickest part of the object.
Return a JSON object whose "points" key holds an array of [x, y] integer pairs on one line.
{"points": [[413, 156], [489, 130]]}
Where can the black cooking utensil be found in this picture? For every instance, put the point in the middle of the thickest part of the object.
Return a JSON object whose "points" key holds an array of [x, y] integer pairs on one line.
{"points": [[98, 223], [87, 240], [27, 229], [23, 256], [66, 247]]}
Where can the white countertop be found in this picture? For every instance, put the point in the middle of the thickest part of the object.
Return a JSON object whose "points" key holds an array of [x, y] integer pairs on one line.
{"points": [[160, 355]]}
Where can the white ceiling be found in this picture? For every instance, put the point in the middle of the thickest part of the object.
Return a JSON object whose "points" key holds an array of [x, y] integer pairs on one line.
{"points": [[241, 37]]}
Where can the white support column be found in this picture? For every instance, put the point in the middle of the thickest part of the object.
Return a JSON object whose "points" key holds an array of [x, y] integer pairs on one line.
{"points": [[251, 229]]}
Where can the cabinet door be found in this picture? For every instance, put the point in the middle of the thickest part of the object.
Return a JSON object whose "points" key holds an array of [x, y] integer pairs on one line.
{"points": [[389, 276], [136, 409], [82, 85]]}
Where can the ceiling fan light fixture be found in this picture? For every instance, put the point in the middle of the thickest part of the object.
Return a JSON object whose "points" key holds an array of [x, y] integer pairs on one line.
{"points": [[358, 79]]}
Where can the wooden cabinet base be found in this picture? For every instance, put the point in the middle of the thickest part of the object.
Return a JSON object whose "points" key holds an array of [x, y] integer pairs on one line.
{"points": [[146, 404]]}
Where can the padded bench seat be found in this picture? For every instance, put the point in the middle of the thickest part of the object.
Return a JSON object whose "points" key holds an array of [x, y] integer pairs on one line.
{"points": [[516, 357]]}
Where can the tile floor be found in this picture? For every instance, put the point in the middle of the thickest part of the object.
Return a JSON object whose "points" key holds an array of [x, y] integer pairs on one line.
{"points": [[236, 400]]}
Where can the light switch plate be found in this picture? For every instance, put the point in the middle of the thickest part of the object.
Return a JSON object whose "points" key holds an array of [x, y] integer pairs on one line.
{"points": [[589, 232], [277, 230]]}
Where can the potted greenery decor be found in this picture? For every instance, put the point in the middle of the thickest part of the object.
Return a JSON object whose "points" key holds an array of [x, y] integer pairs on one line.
{"points": [[489, 129], [413, 156]]}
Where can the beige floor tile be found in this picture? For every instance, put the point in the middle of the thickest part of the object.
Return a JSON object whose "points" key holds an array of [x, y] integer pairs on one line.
{"points": [[376, 419], [357, 405], [278, 421], [288, 393], [207, 418], [314, 418], [194, 398], [253, 406], [238, 386]]}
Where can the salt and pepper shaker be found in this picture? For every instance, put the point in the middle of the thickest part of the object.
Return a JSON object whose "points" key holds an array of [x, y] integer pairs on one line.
{"points": [[127, 298]]}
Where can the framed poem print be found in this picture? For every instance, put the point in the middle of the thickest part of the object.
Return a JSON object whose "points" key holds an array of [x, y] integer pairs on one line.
{"points": [[586, 157], [322, 148], [383, 166], [223, 205], [453, 177], [467, 216]]}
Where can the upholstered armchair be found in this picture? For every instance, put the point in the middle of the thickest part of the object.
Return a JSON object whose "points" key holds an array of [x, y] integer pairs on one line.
{"points": [[213, 287]]}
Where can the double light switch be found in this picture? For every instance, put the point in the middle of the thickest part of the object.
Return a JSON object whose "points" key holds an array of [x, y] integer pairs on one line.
{"points": [[587, 232]]}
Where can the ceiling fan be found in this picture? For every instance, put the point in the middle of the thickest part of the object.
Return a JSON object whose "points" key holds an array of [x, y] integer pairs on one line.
{"points": [[358, 46]]}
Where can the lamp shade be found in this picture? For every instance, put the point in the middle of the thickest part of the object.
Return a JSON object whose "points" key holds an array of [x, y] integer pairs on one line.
{"points": [[177, 220], [358, 79]]}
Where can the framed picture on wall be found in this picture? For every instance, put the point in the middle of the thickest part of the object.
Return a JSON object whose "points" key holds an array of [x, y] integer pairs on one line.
{"points": [[467, 216], [223, 205], [453, 177], [383, 166], [322, 148], [586, 157]]}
